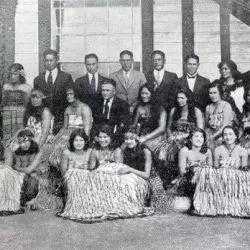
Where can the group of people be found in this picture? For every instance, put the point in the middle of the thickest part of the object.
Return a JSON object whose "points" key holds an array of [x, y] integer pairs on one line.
{"points": [[126, 145]]}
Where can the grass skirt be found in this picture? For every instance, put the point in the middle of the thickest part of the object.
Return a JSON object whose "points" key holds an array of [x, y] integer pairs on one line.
{"points": [[11, 183], [101, 194], [223, 191]]}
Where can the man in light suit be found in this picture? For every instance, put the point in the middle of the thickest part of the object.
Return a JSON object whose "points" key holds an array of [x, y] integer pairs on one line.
{"points": [[53, 83], [128, 81], [197, 84], [88, 87], [164, 83]]}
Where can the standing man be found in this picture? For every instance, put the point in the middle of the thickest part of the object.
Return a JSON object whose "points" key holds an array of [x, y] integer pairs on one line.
{"points": [[197, 84], [128, 81], [163, 82], [88, 87], [53, 84]]}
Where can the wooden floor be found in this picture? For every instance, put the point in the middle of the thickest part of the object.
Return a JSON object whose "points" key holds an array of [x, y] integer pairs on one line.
{"points": [[42, 230]]}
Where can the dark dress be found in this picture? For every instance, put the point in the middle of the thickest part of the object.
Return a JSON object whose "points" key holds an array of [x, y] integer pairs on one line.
{"points": [[16, 187]]}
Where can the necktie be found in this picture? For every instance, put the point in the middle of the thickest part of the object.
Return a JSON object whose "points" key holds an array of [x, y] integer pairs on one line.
{"points": [[92, 83], [158, 79], [106, 108], [50, 79]]}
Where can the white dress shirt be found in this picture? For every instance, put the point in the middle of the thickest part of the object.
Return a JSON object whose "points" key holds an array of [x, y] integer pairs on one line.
{"points": [[54, 73], [191, 81], [238, 96], [158, 74], [109, 105], [90, 76]]}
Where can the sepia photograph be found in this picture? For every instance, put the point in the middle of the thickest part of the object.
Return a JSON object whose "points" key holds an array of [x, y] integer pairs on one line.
{"points": [[124, 124]]}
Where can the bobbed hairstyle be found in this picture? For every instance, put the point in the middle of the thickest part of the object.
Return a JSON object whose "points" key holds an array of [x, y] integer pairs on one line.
{"points": [[232, 66], [17, 67], [50, 52], [204, 147], [234, 129], [81, 133], [216, 84]]}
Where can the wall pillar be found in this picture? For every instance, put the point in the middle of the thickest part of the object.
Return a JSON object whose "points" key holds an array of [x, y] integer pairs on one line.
{"points": [[147, 34]]}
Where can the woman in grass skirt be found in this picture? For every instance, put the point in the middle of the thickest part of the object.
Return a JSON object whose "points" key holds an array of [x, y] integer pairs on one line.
{"points": [[225, 188], [112, 189]]}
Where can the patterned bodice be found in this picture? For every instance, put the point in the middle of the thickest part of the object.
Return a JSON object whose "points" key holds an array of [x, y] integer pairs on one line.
{"points": [[183, 125], [74, 162], [75, 120], [13, 98], [104, 157]]}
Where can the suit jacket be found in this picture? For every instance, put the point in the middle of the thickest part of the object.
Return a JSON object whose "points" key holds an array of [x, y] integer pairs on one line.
{"points": [[128, 91], [165, 93], [200, 92], [84, 91], [119, 113], [55, 93]]}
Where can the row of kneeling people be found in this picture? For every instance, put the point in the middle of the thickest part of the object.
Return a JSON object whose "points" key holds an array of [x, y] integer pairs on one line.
{"points": [[97, 181]]}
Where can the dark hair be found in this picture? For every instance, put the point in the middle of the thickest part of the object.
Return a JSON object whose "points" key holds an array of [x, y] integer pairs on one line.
{"points": [[126, 52], [91, 55], [50, 52], [158, 52], [190, 103], [232, 66], [109, 81], [78, 132], [106, 129], [25, 133], [194, 56], [150, 89], [204, 147], [246, 106], [17, 67], [235, 130], [216, 84]]}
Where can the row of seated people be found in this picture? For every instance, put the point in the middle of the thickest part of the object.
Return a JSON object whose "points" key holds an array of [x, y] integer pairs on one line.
{"points": [[108, 182]]}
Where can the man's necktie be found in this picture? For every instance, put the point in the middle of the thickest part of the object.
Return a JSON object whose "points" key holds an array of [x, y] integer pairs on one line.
{"points": [[191, 77], [50, 79], [92, 83], [106, 108]]}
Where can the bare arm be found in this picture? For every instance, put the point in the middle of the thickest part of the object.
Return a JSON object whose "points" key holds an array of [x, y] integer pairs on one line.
{"points": [[46, 125], [199, 118], [118, 155], [86, 114], [66, 119], [158, 131], [92, 159], [136, 117], [64, 162], [170, 121], [217, 157], [32, 167], [8, 155], [182, 160], [244, 158]]}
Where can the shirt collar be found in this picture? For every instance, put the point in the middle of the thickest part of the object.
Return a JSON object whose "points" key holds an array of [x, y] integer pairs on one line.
{"points": [[192, 76], [91, 75]]}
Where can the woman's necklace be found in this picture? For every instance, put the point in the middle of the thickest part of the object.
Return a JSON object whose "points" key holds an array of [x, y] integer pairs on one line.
{"points": [[230, 150]]}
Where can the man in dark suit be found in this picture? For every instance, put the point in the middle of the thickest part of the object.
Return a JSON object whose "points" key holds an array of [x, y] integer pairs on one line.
{"points": [[111, 110], [53, 84], [88, 87], [163, 82], [197, 84]]}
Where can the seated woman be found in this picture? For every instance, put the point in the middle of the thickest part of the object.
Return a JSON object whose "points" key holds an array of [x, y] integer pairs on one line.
{"points": [[15, 96], [224, 189], [112, 189], [149, 118], [18, 175], [194, 154], [182, 119], [218, 115], [76, 115], [38, 118]]}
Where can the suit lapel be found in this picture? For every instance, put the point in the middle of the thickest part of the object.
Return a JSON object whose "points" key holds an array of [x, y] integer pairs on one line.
{"points": [[131, 79], [122, 79], [197, 84]]}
